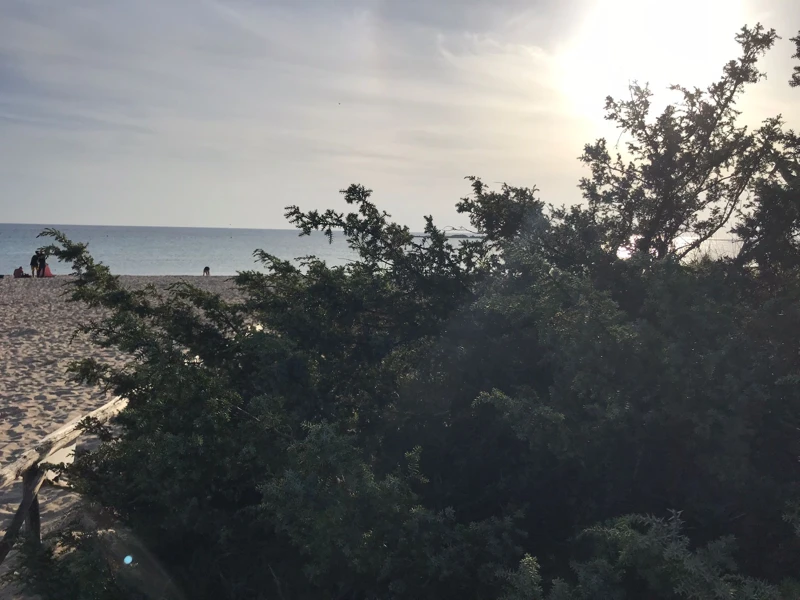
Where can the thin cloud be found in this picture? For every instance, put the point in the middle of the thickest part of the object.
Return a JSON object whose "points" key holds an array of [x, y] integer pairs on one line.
{"points": [[178, 112]]}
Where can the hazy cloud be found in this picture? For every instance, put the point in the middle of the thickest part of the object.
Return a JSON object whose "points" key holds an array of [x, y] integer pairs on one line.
{"points": [[218, 112]]}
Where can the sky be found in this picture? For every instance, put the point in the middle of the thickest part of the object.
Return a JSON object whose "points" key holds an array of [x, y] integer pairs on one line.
{"points": [[219, 113]]}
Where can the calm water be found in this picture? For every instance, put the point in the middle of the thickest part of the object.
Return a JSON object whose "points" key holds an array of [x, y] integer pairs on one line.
{"points": [[169, 250], [186, 250]]}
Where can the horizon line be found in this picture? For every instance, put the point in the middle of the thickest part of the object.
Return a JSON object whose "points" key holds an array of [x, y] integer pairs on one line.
{"points": [[57, 225]]}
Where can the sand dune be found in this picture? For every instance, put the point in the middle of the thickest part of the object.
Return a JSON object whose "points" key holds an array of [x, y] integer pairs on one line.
{"points": [[36, 345]]}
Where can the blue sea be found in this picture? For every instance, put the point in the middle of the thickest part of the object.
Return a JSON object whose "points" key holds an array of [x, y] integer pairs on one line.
{"points": [[170, 250]]}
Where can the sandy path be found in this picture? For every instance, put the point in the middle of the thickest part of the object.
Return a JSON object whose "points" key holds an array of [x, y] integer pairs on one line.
{"points": [[36, 345]]}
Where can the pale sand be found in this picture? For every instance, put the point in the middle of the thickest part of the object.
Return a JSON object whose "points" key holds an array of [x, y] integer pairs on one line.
{"points": [[36, 327]]}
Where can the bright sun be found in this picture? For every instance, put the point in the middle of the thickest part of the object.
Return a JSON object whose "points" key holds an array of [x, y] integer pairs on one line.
{"points": [[680, 41]]}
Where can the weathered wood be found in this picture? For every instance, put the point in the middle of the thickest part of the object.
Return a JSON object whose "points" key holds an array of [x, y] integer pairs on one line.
{"points": [[66, 456], [57, 440], [29, 494]]}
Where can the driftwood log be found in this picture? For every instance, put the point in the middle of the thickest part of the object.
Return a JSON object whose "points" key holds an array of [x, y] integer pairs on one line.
{"points": [[28, 467], [28, 511], [57, 440]]}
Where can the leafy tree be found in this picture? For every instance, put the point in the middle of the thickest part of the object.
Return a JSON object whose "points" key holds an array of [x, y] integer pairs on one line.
{"points": [[689, 169], [485, 419], [770, 224]]}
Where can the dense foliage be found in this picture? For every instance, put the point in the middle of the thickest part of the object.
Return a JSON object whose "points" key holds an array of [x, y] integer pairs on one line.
{"points": [[524, 415]]}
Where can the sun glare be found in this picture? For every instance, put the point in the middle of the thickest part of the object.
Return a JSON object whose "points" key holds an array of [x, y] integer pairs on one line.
{"points": [[681, 41]]}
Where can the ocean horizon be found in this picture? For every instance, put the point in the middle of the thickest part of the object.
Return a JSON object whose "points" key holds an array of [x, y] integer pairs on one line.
{"points": [[144, 250], [150, 250]]}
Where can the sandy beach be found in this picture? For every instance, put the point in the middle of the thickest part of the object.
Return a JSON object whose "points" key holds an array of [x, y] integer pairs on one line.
{"points": [[36, 330]]}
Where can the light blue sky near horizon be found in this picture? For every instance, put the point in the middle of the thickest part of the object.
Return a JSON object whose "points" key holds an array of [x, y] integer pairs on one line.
{"points": [[218, 113]]}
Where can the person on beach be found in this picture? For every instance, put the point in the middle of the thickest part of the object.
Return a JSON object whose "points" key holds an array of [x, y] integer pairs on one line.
{"points": [[42, 264], [206, 272], [34, 264]]}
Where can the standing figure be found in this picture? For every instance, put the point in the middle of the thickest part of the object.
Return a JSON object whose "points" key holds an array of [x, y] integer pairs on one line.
{"points": [[34, 264], [206, 272], [42, 265]]}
